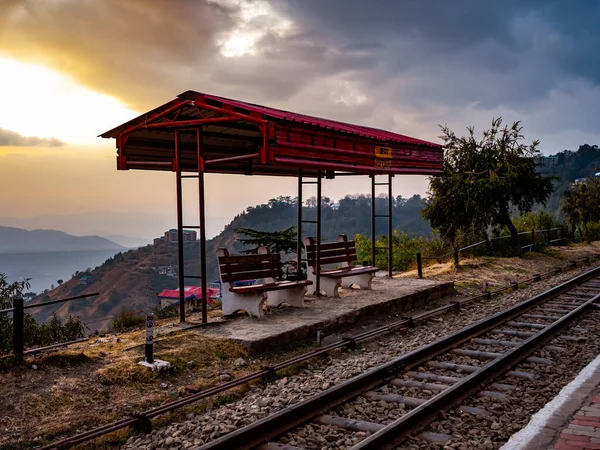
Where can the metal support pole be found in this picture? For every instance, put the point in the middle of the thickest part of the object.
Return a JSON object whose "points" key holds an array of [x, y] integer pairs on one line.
{"points": [[202, 211], [373, 240], [318, 274], [18, 329], [390, 231], [299, 229], [180, 260]]}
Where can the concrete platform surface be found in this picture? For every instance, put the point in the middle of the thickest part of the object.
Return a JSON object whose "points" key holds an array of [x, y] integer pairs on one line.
{"points": [[571, 421], [283, 326]]}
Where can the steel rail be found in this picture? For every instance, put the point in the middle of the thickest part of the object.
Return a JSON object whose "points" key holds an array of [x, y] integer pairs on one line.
{"points": [[270, 370], [282, 421], [393, 434]]}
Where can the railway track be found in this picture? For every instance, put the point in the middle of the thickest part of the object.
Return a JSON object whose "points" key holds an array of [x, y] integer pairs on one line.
{"points": [[411, 390]]}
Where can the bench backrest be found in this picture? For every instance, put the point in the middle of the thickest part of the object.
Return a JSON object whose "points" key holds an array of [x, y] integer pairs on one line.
{"points": [[247, 267], [343, 251]]}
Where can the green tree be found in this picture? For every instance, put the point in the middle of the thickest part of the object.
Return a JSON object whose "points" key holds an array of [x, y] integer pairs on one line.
{"points": [[483, 179], [282, 242], [276, 241], [581, 205]]}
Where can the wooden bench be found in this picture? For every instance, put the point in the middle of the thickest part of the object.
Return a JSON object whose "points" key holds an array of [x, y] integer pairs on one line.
{"points": [[343, 251], [251, 298]]}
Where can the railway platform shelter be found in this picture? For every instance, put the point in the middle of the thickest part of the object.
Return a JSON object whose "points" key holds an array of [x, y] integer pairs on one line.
{"points": [[198, 133]]}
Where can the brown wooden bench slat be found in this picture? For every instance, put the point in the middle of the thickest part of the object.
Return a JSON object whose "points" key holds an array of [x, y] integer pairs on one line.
{"points": [[330, 246], [248, 267], [332, 260], [327, 253], [270, 286], [346, 271], [242, 276], [238, 259]]}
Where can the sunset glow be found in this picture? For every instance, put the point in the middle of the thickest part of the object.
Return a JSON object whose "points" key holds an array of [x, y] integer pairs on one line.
{"points": [[37, 101]]}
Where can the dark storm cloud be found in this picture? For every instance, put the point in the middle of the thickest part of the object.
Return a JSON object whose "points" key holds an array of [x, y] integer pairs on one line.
{"points": [[534, 60], [10, 138], [403, 65]]}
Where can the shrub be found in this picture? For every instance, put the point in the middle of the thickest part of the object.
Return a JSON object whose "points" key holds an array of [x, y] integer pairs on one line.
{"points": [[127, 319], [35, 335]]}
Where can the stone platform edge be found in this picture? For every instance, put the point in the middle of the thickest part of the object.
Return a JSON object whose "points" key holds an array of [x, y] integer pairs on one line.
{"points": [[331, 325], [545, 425]]}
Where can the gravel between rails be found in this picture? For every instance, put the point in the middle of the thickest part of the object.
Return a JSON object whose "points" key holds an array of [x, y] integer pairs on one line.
{"points": [[470, 432], [321, 374]]}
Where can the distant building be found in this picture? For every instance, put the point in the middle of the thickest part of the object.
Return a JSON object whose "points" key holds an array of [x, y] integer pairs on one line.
{"points": [[170, 297], [335, 206], [86, 279], [171, 236], [167, 270]]}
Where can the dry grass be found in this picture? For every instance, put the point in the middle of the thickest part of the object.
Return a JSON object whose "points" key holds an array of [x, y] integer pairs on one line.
{"points": [[474, 273], [98, 382]]}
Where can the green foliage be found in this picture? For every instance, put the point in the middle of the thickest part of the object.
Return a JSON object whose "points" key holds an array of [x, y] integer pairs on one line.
{"points": [[592, 232], [482, 180], [127, 319], [540, 220], [404, 250], [35, 335], [283, 241], [582, 206]]}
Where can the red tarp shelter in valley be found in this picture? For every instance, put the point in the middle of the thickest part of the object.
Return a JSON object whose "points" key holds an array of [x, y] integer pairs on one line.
{"points": [[191, 292], [204, 133]]}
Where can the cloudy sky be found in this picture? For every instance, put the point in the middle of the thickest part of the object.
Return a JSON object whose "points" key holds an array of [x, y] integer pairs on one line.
{"points": [[71, 69]]}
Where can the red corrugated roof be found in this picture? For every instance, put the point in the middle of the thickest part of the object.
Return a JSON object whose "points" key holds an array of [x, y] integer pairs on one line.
{"points": [[190, 292], [279, 114]]}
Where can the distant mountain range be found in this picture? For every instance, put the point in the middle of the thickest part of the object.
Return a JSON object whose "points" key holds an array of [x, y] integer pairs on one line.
{"points": [[126, 228], [18, 240]]}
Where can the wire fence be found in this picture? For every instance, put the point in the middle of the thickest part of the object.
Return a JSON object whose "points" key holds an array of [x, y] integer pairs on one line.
{"points": [[499, 245]]}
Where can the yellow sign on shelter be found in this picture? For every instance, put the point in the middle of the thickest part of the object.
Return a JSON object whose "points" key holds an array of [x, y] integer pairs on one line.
{"points": [[383, 152]]}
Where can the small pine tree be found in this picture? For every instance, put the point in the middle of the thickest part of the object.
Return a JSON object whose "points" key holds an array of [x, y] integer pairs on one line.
{"points": [[283, 242]]}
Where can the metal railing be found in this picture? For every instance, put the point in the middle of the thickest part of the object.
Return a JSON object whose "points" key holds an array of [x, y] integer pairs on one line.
{"points": [[18, 311]]}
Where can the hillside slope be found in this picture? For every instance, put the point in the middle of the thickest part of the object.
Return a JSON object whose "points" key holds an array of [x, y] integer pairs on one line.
{"points": [[20, 240], [568, 166], [131, 280]]}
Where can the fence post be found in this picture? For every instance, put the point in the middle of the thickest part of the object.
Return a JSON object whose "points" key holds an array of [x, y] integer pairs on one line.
{"points": [[548, 236], [562, 234], [532, 238], [149, 350], [18, 331], [456, 257], [419, 265]]}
